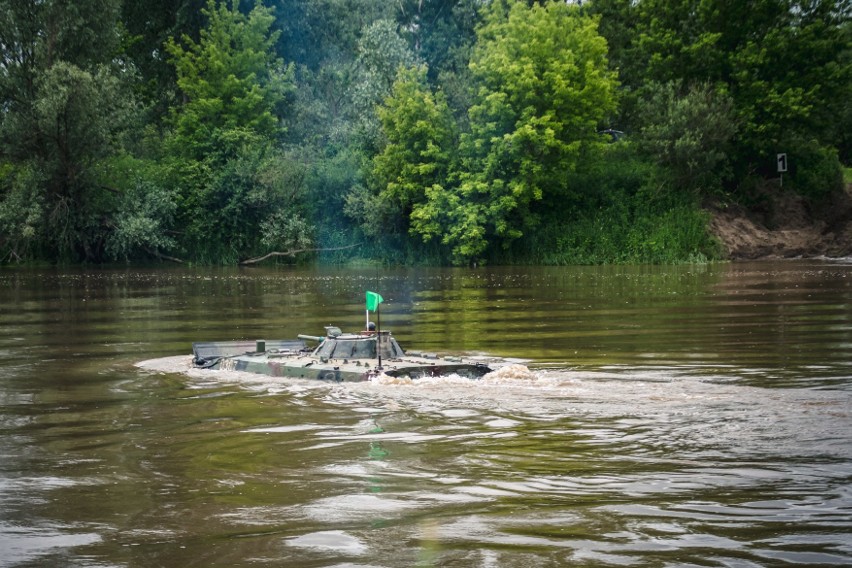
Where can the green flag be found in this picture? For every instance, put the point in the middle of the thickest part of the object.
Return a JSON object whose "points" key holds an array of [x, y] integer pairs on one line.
{"points": [[373, 301]]}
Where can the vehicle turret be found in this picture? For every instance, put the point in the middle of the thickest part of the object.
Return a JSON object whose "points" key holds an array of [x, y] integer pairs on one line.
{"points": [[337, 345]]}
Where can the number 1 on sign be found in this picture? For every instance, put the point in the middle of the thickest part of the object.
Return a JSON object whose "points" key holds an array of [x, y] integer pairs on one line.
{"points": [[781, 160]]}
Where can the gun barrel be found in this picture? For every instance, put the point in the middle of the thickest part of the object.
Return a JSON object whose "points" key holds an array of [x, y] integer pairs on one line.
{"points": [[311, 337]]}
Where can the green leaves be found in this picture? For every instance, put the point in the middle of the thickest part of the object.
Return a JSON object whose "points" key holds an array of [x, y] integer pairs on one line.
{"points": [[453, 130], [239, 195], [420, 137], [689, 134], [541, 87], [141, 221], [784, 63], [544, 88], [67, 108], [230, 78]]}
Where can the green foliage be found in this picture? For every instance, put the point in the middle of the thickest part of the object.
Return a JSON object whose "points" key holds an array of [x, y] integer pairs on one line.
{"points": [[80, 116], [442, 131], [22, 211], [230, 78], [543, 89], [689, 134], [784, 63], [331, 181], [417, 157], [317, 32], [141, 220], [814, 170], [321, 118], [381, 53], [624, 219], [148, 27], [236, 207], [66, 108], [237, 195], [285, 231], [791, 78]]}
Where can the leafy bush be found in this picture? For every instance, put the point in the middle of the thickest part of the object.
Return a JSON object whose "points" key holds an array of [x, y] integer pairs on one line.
{"points": [[22, 214], [623, 217], [141, 222], [814, 170], [688, 133]]}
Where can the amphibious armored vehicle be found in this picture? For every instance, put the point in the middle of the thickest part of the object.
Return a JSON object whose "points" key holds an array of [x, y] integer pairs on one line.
{"points": [[338, 357]]}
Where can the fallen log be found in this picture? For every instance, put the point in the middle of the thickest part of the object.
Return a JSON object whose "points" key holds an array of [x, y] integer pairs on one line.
{"points": [[162, 256], [293, 253]]}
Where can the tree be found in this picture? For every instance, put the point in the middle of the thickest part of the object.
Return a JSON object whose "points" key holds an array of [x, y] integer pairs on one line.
{"points": [[237, 192], [142, 221], [317, 32], [415, 162], [542, 89], [66, 109], [381, 53], [149, 25], [230, 78], [688, 134], [784, 63]]}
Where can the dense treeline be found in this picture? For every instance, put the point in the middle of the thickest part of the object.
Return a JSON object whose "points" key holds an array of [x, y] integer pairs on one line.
{"points": [[421, 131]]}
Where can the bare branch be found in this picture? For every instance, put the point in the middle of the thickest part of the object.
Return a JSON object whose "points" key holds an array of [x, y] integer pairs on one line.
{"points": [[164, 256], [293, 252]]}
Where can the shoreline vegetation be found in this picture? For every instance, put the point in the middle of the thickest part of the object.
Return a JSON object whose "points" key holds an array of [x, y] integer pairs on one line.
{"points": [[449, 132]]}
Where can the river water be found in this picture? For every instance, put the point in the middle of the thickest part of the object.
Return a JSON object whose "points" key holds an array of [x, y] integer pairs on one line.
{"points": [[663, 416]]}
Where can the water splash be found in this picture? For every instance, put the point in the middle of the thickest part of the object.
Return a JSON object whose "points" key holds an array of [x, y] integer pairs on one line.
{"points": [[510, 374]]}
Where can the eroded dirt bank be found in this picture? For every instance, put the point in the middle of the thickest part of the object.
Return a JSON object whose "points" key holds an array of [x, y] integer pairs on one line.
{"points": [[788, 228]]}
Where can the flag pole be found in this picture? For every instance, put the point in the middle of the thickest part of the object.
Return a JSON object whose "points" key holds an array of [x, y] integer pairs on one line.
{"points": [[379, 336], [374, 301]]}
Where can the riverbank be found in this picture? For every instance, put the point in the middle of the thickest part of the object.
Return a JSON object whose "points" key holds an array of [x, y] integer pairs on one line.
{"points": [[787, 227]]}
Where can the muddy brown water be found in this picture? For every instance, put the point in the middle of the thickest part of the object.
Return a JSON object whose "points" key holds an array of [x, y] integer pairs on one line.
{"points": [[669, 416]]}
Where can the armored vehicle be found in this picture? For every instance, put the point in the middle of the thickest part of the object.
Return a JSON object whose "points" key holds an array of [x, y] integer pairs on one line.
{"points": [[337, 357]]}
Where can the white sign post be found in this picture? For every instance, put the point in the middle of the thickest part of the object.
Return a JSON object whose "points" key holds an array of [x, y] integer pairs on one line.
{"points": [[781, 160]]}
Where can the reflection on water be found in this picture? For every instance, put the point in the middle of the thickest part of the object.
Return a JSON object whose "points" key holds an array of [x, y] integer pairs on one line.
{"points": [[686, 416]]}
